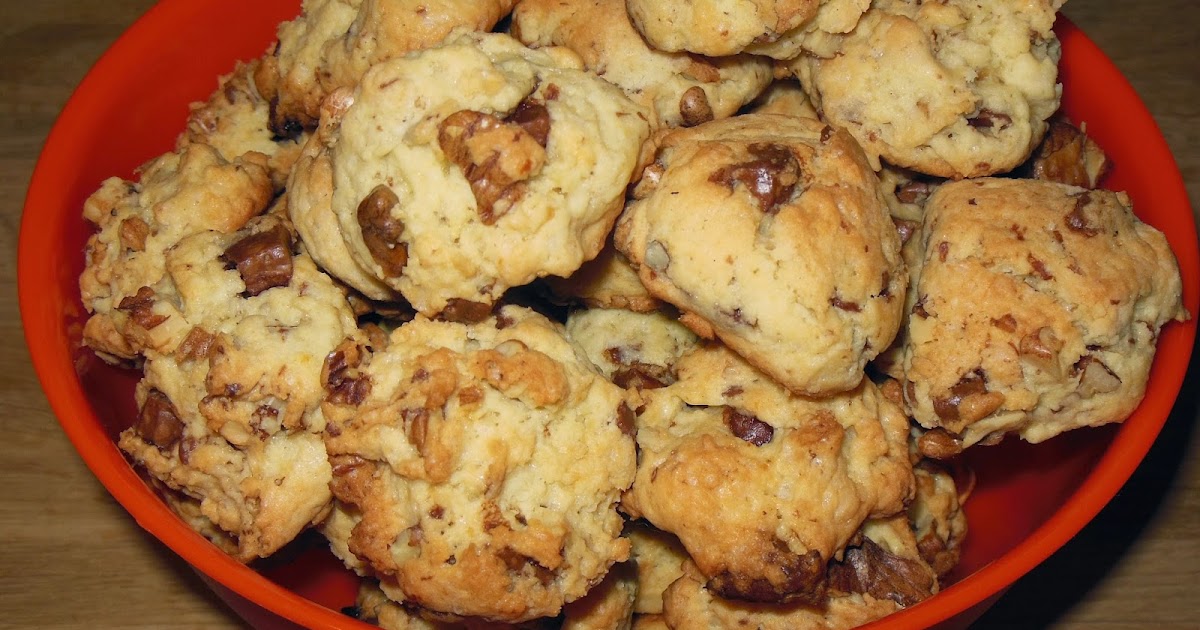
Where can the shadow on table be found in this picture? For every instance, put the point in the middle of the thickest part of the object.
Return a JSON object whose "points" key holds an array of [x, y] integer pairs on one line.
{"points": [[1050, 590]]}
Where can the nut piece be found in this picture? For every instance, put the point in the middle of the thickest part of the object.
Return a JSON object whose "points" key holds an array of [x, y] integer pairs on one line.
{"points": [[264, 260], [497, 156], [1068, 156], [140, 308], [381, 232]]}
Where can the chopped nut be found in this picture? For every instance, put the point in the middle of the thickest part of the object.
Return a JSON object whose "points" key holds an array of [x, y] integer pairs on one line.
{"points": [[381, 232], [158, 421], [264, 260]]}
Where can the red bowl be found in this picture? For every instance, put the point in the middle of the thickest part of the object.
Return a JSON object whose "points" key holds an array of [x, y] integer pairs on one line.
{"points": [[133, 103]]}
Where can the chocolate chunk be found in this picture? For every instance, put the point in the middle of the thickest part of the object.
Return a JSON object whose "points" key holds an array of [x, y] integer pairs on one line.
{"points": [[988, 119], [158, 421], [382, 232], [465, 311], [798, 578], [1067, 156], [626, 420], [534, 118], [771, 177], [970, 384], [914, 192], [264, 260], [641, 376], [1039, 268], [844, 305], [905, 229], [871, 570], [1077, 221], [748, 427], [198, 344]]}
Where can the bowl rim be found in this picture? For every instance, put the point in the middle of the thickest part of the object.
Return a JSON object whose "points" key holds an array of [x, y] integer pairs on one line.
{"points": [[46, 340]]}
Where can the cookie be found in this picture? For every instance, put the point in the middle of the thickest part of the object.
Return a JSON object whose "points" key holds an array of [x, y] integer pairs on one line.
{"points": [[741, 471], [606, 281], [1067, 156], [880, 575], [458, 445], [659, 558], [231, 415], [332, 43], [373, 606], [633, 350], [784, 96], [679, 89], [608, 606], [936, 516], [235, 120], [463, 170], [770, 233], [781, 29], [954, 89], [1037, 309], [178, 194]]}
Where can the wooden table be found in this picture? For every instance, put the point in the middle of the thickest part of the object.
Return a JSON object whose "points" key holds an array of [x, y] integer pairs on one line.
{"points": [[72, 558]]}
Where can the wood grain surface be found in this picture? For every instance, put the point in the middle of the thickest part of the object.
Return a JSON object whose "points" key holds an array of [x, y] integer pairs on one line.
{"points": [[70, 557]]}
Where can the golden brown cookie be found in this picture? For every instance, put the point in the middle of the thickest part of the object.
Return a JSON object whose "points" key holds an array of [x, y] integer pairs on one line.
{"points": [[954, 89], [742, 472], [1037, 309], [459, 447], [770, 233], [679, 89], [463, 170]]}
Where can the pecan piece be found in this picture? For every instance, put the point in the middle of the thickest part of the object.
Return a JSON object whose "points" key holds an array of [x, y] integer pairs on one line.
{"points": [[1095, 377], [140, 308], [133, 233], [792, 578], [968, 399], [497, 156], [381, 232], [341, 377], [1077, 221], [264, 260]]}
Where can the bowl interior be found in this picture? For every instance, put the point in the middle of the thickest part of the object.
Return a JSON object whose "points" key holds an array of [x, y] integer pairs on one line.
{"points": [[1029, 499]]}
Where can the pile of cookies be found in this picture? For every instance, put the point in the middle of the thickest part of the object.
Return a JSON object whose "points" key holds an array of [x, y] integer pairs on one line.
{"points": [[622, 313]]}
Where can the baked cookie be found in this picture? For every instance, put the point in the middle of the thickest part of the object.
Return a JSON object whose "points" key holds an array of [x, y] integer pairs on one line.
{"points": [[178, 194], [679, 89], [726, 430], [781, 29], [463, 170], [333, 43], [606, 281], [459, 447], [230, 416], [1037, 309], [954, 89], [905, 192], [770, 233], [1067, 156], [608, 606], [373, 605], [784, 96], [633, 350], [879, 575], [235, 120], [936, 516], [659, 559]]}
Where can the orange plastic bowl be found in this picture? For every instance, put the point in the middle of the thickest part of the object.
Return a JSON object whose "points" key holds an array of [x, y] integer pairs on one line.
{"points": [[1029, 501]]}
